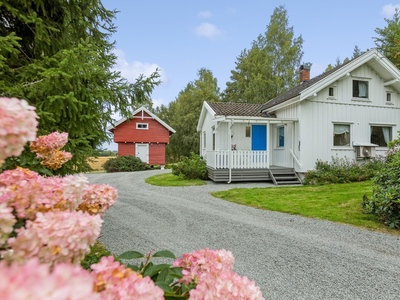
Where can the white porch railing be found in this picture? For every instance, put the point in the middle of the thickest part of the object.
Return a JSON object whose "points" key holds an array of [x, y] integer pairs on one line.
{"points": [[241, 159]]}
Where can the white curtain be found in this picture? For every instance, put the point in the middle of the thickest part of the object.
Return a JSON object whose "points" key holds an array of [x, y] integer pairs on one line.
{"points": [[386, 133], [362, 89], [340, 129]]}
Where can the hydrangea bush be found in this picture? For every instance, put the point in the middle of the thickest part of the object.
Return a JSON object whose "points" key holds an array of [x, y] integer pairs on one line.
{"points": [[47, 225]]}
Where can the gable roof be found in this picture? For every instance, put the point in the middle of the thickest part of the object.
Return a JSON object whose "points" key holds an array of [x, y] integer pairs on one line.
{"points": [[236, 109], [112, 127], [325, 77]]}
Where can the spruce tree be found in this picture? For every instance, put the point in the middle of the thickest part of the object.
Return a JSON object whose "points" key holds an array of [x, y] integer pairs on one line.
{"points": [[58, 55]]}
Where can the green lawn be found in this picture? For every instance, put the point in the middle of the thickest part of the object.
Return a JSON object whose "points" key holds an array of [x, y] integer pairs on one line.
{"points": [[171, 180], [340, 203]]}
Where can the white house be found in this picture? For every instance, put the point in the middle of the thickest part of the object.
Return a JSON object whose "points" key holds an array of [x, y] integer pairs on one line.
{"points": [[350, 111]]}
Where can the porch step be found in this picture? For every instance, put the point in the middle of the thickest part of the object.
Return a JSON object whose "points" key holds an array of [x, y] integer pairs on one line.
{"points": [[285, 176]]}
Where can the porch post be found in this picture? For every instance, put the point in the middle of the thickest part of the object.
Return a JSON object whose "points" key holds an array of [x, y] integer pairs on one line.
{"points": [[230, 152], [268, 144]]}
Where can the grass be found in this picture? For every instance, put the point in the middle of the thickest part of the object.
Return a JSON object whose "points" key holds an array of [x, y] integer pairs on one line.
{"points": [[172, 180], [340, 203]]}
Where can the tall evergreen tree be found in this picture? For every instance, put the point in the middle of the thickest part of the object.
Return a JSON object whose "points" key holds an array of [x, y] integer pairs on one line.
{"points": [[183, 114], [57, 55], [270, 67]]}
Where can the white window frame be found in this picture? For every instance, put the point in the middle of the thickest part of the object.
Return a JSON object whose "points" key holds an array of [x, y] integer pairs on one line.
{"points": [[334, 97], [333, 137], [147, 126], [368, 80], [391, 98], [381, 125], [277, 137]]}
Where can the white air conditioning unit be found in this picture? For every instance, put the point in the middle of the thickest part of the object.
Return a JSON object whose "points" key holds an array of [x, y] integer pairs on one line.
{"points": [[364, 150]]}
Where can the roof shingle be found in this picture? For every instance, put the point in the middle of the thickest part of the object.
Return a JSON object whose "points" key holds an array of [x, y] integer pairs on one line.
{"points": [[236, 109]]}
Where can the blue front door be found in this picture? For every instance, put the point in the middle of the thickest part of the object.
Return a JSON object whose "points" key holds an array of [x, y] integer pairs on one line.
{"points": [[259, 137]]}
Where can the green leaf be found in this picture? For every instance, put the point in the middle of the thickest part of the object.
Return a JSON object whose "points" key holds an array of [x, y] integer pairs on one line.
{"points": [[154, 270], [170, 296], [133, 267], [45, 171], [163, 275], [164, 286], [130, 255], [164, 253]]}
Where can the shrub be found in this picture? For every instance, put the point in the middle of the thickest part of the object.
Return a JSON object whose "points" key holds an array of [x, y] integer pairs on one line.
{"points": [[342, 170], [127, 163], [191, 168], [168, 166], [385, 202]]}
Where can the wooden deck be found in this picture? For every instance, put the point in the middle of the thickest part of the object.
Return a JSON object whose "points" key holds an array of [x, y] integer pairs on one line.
{"points": [[222, 175]]}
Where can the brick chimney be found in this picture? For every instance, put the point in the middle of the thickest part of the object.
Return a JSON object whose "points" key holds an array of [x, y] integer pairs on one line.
{"points": [[305, 72]]}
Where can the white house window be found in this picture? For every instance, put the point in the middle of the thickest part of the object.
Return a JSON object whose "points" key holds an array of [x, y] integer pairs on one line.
{"points": [[142, 125], [248, 131], [381, 135], [281, 136], [388, 97], [213, 136], [360, 89], [341, 135], [331, 92], [204, 140]]}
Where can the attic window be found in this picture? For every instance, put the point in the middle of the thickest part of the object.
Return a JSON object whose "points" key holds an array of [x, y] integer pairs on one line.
{"points": [[142, 125], [360, 89], [331, 92], [388, 97]]}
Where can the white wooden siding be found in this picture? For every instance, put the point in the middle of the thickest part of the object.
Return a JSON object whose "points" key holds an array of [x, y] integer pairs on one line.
{"points": [[288, 112]]}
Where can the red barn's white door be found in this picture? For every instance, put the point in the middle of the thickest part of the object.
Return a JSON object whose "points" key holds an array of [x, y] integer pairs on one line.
{"points": [[142, 152]]}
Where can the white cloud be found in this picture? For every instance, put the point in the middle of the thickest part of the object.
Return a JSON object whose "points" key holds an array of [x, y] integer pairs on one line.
{"points": [[389, 9], [132, 70], [204, 14], [158, 101], [209, 31]]}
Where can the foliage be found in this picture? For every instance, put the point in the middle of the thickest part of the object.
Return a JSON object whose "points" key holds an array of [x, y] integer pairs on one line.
{"points": [[97, 251], [183, 114], [356, 53], [385, 201], [270, 67], [57, 54], [168, 166], [171, 180], [103, 153], [388, 40], [192, 167], [126, 163], [342, 170], [333, 202]]}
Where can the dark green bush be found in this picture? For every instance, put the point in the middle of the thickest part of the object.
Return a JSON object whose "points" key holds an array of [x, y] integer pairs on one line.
{"points": [[191, 168], [97, 251], [385, 201], [342, 170], [168, 166], [127, 163]]}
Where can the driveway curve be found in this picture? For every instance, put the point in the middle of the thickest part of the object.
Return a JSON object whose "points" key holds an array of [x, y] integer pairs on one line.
{"points": [[289, 257]]}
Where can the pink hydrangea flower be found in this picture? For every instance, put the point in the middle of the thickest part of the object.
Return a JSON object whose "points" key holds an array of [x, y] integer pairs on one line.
{"points": [[48, 147], [229, 286], [116, 282], [7, 221], [200, 263], [56, 237], [18, 125], [29, 193], [50, 142], [98, 198], [35, 281]]}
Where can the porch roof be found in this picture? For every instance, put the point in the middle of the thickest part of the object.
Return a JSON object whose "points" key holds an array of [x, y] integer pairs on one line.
{"points": [[236, 109]]}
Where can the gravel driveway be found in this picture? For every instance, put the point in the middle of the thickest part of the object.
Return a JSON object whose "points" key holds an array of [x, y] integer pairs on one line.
{"points": [[289, 257]]}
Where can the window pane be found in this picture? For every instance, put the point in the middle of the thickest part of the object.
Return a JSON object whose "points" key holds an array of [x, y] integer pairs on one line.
{"points": [[248, 131], [381, 135], [388, 97], [214, 141], [341, 135], [204, 139], [360, 89], [281, 136], [331, 92]]}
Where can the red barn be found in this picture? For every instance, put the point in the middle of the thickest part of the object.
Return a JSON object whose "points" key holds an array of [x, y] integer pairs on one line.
{"points": [[144, 136]]}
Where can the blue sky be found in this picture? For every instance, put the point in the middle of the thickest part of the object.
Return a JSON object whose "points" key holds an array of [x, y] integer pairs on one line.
{"points": [[180, 37]]}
